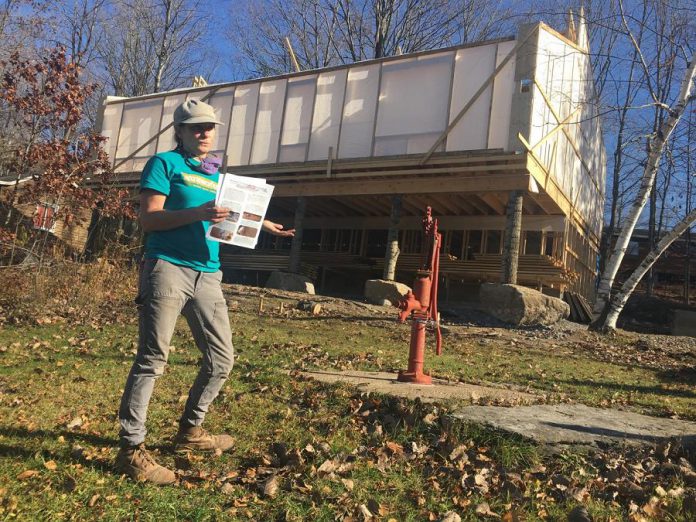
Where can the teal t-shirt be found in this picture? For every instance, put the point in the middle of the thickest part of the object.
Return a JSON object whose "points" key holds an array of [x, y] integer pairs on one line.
{"points": [[184, 187]]}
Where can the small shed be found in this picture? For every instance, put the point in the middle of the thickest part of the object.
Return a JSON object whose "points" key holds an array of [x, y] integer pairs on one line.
{"points": [[360, 148]]}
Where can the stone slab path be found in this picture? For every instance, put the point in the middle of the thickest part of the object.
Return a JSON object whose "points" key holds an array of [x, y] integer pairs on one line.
{"points": [[383, 382], [552, 424], [559, 424]]}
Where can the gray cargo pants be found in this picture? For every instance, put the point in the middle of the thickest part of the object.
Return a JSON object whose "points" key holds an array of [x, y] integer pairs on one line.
{"points": [[165, 291]]}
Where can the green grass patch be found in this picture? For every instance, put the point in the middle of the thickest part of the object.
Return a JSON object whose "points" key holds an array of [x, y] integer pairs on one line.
{"points": [[333, 451]]}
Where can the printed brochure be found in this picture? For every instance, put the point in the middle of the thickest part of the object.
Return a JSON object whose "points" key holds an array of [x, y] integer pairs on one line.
{"points": [[247, 198]]}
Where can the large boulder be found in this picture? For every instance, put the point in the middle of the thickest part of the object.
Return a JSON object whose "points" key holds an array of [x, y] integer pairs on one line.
{"points": [[382, 292], [519, 305], [288, 281]]}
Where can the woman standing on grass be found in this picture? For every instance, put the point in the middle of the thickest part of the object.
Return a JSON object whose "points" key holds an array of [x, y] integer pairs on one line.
{"points": [[180, 275]]}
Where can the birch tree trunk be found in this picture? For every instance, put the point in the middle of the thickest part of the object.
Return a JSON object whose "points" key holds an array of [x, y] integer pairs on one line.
{"points": [[689, 187], [656, 148], [618, 301]]}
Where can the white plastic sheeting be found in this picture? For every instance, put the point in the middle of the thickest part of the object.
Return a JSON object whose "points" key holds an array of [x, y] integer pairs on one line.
{"points": [[381, 108], [405, 124], [391, 107], [575, 157]]}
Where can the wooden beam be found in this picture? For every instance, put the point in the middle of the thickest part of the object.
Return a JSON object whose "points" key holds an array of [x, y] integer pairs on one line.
{"points": [[447, 184], [463, 202], [293, 58], [406, 160], [445, 202], [413, 207], [539, 172], [492, 201], [563, 38], [414, 222], [557, 128], [365, 206], [418, 171], [432, 200], [545, 203], [476, 202], [322, 207], [570, 139]]}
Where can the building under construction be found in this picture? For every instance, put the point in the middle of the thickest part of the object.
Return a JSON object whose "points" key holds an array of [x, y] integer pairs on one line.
{"points": [[474, 131]]}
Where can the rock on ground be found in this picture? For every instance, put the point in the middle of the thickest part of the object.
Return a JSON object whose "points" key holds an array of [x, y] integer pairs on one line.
{"points": [[684, 323], [383, 292], [561, 424], [288, 281], [519, 305]]}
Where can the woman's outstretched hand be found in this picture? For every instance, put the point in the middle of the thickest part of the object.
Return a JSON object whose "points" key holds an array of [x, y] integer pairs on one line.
{"points": [[277, 229]]}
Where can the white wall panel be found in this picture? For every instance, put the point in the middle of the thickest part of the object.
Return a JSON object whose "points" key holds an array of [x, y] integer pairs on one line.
{"points": [[241, 132], [414, 98], [357, 127], [111, 120], [268, 118], [222, 102], [472, 67], [166, 140], [140, 123], [298, 118], [499, 125], [328, 108]]}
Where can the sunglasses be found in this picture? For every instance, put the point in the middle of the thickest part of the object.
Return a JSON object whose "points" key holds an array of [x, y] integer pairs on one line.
{"points": [[198, 128]]}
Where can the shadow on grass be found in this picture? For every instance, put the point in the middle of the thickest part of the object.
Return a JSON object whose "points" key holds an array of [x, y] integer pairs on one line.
{"points": [[100, 463], [683, 375], [103, 462], [341, 317], [89, 438], [655, 390]]}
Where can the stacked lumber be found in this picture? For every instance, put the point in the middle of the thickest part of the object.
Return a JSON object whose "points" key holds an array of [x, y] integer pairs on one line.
{"points": [[532, 270], [580, 310], [264, 263]]}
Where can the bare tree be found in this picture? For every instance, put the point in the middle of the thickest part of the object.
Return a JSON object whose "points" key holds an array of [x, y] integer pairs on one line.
{"points": [[655, 147], [21, 25], [153, 45], [76, 26], [331, 32]]}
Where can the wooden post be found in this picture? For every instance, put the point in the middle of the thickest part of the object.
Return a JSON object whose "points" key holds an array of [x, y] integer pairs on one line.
{"points": [[513, 226], [296, 246], [392, 253]]}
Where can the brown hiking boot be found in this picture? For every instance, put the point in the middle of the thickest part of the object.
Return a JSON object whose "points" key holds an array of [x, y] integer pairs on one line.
{"points": [[138, 464], [196, 438]]}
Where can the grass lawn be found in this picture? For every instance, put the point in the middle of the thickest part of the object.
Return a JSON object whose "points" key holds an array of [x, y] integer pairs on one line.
{"points": [[311, 451]]}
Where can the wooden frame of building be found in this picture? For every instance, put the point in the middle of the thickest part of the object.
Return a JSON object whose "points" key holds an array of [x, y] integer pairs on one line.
{"points": [[467, 130]]}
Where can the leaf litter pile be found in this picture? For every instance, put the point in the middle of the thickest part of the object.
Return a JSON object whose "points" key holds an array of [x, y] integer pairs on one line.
{"points": [[305, 450]]}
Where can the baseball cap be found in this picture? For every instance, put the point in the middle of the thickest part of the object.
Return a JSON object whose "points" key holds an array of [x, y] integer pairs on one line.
{"points": [[195, 111]]}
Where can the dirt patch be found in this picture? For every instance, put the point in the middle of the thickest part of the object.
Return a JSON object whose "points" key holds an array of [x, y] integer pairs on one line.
{"points": [[662, 352]]}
